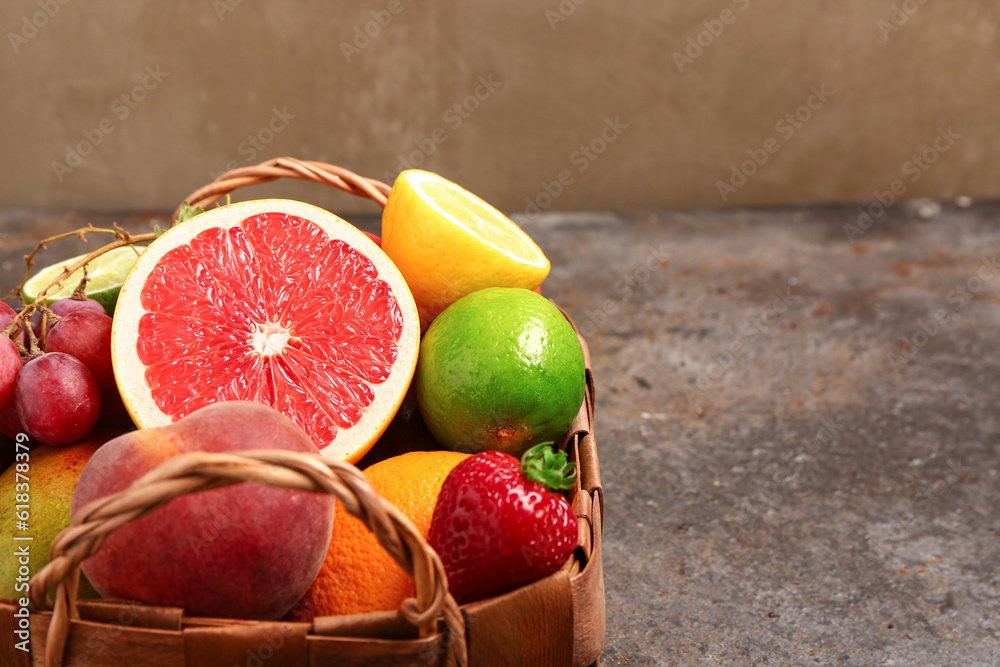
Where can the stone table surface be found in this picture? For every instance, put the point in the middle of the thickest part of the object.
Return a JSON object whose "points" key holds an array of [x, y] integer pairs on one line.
{"points": [[796, 420]]}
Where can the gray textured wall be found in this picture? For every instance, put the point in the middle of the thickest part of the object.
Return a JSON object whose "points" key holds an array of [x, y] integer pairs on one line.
{"points": [[634, 105]]}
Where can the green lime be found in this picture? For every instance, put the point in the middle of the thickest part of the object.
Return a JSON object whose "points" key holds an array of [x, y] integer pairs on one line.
{"points": [[500, 369], [106, 274]]}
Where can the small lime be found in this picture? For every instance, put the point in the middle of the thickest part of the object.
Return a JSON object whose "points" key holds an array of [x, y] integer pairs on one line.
{"points": [[500, 369], [106, 274]]}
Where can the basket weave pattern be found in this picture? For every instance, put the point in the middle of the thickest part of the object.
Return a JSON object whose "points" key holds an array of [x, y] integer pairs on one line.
{"points": [[287, 167]]}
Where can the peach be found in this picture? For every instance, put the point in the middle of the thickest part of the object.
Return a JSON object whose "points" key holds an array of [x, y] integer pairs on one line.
{"points": [[244, 551]]}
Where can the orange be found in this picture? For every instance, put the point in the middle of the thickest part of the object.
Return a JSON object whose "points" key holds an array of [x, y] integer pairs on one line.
{"points": [[358, 576]]}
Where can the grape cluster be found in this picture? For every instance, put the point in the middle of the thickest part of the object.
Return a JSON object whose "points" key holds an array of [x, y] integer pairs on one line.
{"points": [[58, 394]]}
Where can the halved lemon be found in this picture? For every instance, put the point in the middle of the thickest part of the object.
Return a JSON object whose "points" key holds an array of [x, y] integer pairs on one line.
{"points": [[447, 243]]}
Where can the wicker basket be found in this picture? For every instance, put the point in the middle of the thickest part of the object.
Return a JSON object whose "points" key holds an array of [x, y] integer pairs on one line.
{"points": [[558, 620]]}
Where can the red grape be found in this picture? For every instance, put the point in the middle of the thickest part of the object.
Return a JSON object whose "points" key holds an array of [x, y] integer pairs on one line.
{"points": [[10, 364], [7, 315], [86, 335], [57, 398], [10, 423], [64, 307]]}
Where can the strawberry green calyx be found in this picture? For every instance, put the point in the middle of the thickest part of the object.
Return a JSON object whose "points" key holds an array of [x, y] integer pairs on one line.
{"points": [[548, 467]]}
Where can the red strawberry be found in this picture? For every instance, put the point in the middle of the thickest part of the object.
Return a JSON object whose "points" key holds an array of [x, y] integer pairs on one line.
{"points": [[499, 525]]}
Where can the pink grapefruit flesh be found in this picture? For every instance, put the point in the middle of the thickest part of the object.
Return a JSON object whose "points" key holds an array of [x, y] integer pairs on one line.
{"points": [[271, 301]]}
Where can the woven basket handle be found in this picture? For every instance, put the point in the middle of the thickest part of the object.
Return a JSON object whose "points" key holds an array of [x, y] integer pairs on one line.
{"points": [[287, 167], [201, 471]]}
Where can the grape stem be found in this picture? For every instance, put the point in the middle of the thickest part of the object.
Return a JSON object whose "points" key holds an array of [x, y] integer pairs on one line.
{"points": [[122, 238], [22, 320], [34, 349], [80, 293]]}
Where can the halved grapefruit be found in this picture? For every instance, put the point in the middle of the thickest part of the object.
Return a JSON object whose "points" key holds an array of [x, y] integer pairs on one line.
{"points": [[272, 301]]}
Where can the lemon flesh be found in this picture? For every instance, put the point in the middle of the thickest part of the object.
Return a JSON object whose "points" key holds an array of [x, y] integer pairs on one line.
{"points": [[448, 243]]}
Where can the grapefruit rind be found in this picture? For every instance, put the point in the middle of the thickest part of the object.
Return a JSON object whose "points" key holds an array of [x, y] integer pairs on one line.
{"points": [[351, 443]]}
